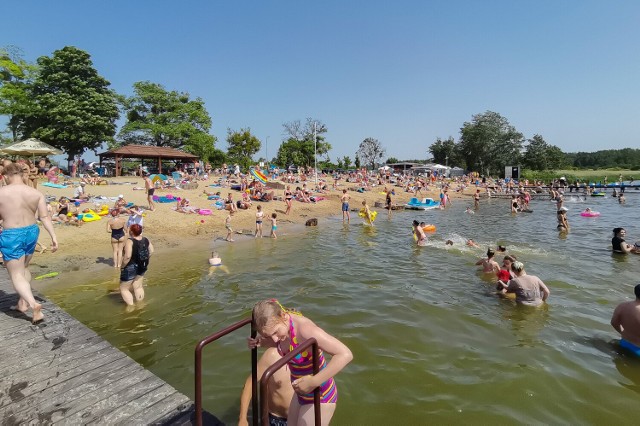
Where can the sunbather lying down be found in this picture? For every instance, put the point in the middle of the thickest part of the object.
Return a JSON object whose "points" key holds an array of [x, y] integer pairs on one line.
{"points": [[263, 196]]}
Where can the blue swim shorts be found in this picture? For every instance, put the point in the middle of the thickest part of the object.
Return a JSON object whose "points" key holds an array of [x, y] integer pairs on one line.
{"points": [[345, 207], [630, 346], [18, 242]]}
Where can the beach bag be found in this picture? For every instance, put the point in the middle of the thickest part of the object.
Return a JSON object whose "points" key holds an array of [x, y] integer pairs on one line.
{"points": [[143, 251]]}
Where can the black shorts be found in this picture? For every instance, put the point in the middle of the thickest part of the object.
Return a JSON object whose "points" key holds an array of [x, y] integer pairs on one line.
{"points": [[132, 270], [151, 191]]}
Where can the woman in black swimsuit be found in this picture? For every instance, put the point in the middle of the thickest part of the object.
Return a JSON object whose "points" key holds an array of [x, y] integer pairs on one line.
{"points": [[288, 199], [117, 227], [63, 210]]}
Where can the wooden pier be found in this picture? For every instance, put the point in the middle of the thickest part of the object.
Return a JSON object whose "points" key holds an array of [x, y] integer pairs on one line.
{"points": [[61, 372]]}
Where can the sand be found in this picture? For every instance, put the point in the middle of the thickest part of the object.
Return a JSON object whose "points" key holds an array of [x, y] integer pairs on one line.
{"points": [[168, 229]]}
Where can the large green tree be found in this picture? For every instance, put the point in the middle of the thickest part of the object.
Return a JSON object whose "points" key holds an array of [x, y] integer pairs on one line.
{"points": [[156, 116], [73, 108], [242, 146], [16, 77], [445, 152], [370, 152], [539, 155], [303, 142], [489, 143]]}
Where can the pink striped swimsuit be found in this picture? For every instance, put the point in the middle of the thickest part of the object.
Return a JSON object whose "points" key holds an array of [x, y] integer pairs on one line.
{"points": [[302, 365]]}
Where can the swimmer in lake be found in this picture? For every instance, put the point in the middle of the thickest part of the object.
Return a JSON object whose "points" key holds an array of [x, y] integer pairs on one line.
{"points": [[626, 321], [418, 233], [469, 211], [216, 263], [472, 243], [489, 266], [619, 244]]}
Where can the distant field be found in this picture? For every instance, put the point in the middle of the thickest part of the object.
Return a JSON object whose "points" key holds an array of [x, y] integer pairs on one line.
{"points": [[611, 174]]}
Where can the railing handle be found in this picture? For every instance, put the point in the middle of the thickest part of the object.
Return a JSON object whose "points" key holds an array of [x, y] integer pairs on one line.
{"points": [[198, 367]]}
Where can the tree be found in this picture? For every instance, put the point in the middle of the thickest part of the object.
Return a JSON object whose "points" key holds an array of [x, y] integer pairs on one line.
{"points": [[242, 146], [370, 151], [356, 164], [303, 142], [73, 108], [159, 117], [489, 142], [16, 78], [539, 155], [392, 160], [445, 152], [347, 161], [340, 163]]}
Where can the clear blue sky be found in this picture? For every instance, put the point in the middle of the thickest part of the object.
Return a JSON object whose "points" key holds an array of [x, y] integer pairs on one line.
{"points": [[402, 72]]}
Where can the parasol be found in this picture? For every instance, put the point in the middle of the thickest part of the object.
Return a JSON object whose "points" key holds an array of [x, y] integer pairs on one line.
{"points": [[30, 147], [157, 177]]}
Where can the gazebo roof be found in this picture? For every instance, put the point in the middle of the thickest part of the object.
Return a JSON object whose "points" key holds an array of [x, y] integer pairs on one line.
{"points": [[146, 151]]}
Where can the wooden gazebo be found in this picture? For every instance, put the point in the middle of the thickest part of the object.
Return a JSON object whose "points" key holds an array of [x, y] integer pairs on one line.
{"points": [[145, 152]]}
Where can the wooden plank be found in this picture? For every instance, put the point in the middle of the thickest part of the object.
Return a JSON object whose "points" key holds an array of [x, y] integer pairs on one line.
{"points": [[71, 396], [36, 380], [44, 351], [141, 404], [173, 406]]}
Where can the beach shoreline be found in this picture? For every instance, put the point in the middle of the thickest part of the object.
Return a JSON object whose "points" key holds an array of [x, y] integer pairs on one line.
{"points": [[88, 246]]}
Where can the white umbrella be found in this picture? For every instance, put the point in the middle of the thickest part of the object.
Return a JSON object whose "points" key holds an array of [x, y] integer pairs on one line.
{"points": [[30, 147]]}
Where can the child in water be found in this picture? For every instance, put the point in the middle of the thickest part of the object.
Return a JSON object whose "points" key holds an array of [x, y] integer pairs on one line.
{"points": [[488, 264], [367, 212], [274, 225], [286, 330], [216, 263]]}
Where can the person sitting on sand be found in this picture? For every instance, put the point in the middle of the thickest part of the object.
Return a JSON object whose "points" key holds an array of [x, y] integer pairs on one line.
{"points": [[300, 195], [121, 205], [489, 266], [62, 215], [184, 206], [229, 204], [79, 192]]}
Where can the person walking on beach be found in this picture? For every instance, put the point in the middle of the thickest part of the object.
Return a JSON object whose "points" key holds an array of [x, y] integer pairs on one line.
{"points": [[259, 218], [227, 225], [288, 199], [626, 321], [345, 206], [148, 186], [280, 391], [285, 330], [19, 205], [137, 251]]}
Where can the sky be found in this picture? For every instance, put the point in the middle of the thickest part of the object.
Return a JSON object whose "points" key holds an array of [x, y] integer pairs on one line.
{"points": [[402, 72]]}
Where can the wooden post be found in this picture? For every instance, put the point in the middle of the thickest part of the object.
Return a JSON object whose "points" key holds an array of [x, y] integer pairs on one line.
{"points": [[159, 164]]}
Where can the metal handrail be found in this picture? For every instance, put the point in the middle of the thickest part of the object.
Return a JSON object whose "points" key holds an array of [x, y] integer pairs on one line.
{"points": [[264, 381], [198, 368]]}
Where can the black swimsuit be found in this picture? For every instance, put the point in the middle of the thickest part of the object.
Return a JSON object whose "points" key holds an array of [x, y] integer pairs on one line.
{"points": [[116, 234]]}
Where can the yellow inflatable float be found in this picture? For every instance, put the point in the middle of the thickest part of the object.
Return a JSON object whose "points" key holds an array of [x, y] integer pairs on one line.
{"points": [[90, 216], [372, 214]]}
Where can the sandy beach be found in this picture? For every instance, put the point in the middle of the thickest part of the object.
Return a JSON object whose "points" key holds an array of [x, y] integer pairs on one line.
{"points": [[168, 229]]}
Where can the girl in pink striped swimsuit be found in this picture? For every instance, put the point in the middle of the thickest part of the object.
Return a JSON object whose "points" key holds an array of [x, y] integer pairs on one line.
{"points": [[285, 329]]}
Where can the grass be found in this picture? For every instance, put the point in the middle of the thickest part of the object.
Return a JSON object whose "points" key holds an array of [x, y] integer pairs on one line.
{"points": [[590, 175]]}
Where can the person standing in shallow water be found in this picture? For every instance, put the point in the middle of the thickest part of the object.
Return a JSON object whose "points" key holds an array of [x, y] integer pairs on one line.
{"points": [[626, 321], [345, 206], [286, 330], [137, 251], [529, 289], [19, 205]]}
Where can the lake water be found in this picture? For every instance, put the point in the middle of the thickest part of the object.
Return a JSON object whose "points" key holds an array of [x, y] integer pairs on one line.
{"points": [[431, 340]]}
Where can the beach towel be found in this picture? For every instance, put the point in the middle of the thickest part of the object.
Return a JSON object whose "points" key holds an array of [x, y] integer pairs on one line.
{"points": [[54, 185]]}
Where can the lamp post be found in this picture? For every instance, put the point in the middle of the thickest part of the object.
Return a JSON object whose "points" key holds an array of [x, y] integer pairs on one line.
{"points": [[446, 159], [266, 152], [315, 153]]}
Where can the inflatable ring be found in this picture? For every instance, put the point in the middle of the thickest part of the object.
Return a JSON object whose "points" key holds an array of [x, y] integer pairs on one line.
{"points": [[429, 228], [204, 212], [590, 214], [91, 216]]}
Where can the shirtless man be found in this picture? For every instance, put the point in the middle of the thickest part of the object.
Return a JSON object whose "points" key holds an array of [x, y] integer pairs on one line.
{"points": [[280, 391], [626, 321], [345, 206], [19, 205], [150, 188]]}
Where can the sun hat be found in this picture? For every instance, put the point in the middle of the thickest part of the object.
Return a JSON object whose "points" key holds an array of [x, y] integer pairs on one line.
{"points": [[120, 196], [564, 209]]}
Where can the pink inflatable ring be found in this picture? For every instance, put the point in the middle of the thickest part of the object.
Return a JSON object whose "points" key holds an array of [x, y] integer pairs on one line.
{"points": [[204, 212], [590, 214]]}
